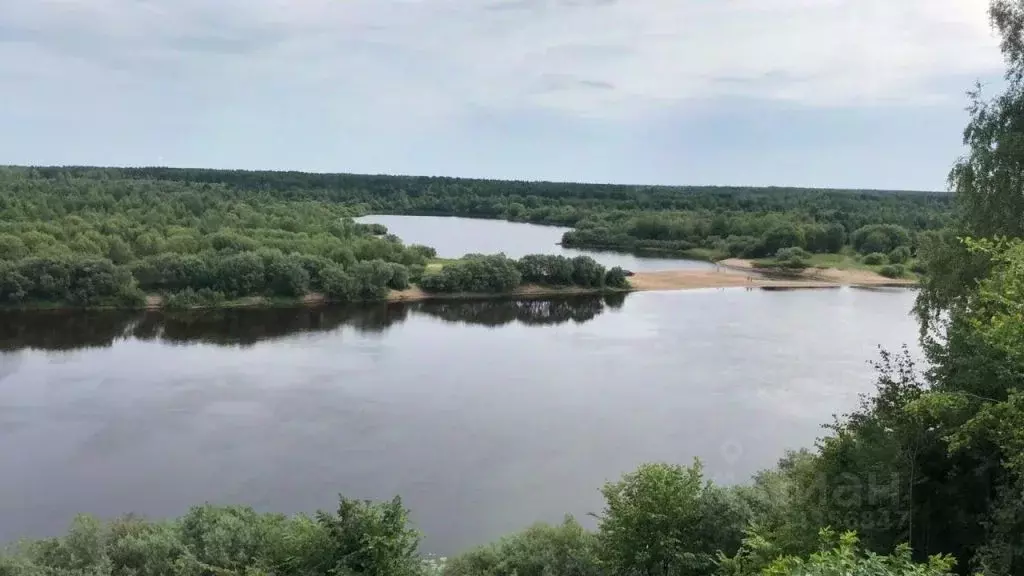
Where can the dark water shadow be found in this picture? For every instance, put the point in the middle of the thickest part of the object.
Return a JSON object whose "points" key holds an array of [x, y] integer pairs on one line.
{"points": [[73, 330]]}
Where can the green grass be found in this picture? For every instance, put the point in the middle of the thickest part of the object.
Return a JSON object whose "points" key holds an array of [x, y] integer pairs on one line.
{"points": [[843, 261], [706, 254], [436, 264], [839, 262]]}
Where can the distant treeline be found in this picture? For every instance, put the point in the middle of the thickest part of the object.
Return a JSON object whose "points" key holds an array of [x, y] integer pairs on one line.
{"points": [[736, 221], [743, 235]]}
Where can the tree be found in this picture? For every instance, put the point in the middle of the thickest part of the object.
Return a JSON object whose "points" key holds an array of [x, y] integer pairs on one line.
{"points": [[587, 272], [12, 247], [616, 278], [875, 259], [370, 280], [338, 284], [119, 251], [14, 287], [981, 404], [285, 276], [664, 520], [783, 236], [239, 274], [899, 255], [882, 238], [475, 273], [986, 181], [792, 258], [540, 550], [835, 237], [369, 538]]}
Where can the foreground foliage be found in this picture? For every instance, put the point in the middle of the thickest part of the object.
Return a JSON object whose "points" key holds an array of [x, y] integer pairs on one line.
{"points": [[359, 538], [661, 520], [840, 555], [541, 550]]}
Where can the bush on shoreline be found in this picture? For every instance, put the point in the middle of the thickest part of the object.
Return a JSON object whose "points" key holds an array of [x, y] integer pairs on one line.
{"points": [[661, 520], [500, 274]]}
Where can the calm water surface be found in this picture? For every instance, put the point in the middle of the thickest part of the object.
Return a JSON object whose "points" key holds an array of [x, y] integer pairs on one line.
{"points": [[455, 237], [484, 416]]}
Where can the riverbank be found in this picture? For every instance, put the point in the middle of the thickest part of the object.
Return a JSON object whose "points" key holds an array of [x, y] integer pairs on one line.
{"points": [[730, 273], [735, 273], [829, 275]]}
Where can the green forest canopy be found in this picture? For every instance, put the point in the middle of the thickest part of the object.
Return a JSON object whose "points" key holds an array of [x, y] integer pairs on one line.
{"points": [[88, 236], [98, 240]]}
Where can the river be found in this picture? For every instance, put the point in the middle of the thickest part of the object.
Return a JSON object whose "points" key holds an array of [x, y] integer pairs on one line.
{"points": [[484, 416]]}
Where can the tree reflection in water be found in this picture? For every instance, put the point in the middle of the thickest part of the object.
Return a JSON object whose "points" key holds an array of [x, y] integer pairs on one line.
{"points": [[71, 330]]}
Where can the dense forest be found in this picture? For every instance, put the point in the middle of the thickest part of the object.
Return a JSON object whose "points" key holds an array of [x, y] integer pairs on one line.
{"points": [[84, 240], [112, 237], [722, 221]]}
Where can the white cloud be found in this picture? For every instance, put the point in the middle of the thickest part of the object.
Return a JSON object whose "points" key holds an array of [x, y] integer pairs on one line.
{"points": [[429, 58]]}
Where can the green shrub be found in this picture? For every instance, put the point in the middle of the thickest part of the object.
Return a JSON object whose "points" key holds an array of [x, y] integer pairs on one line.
{"points": [[416, 272], [371, 279], [842, 556], [566, 549], [792, 258], [742, 246], [875, 259], [372, 539], [892, 271], [475, 273], [399, 277], [551, 270], [899, 255], [616, 278], [879, 238], [587, 272], [189, 298], [546, 269], [666, 519], [338, 284]]}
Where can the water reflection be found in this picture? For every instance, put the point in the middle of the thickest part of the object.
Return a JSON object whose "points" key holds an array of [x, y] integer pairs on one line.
{"points": [[529, 312], [244, 327]]}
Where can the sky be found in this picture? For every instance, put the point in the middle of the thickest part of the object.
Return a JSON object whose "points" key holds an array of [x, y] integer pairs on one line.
{"points": [[824, 93]]}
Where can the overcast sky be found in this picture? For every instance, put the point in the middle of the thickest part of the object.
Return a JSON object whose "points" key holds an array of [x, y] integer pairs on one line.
{"points": [[837, 93]]}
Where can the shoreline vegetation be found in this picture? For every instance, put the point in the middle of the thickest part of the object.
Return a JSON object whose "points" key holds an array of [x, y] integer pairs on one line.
{"points": [[729, 273]]}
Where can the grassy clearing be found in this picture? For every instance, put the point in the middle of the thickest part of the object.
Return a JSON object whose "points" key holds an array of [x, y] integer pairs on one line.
{"points": [[840, 262], [846, 261], [705, 254], [435, 264]]}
